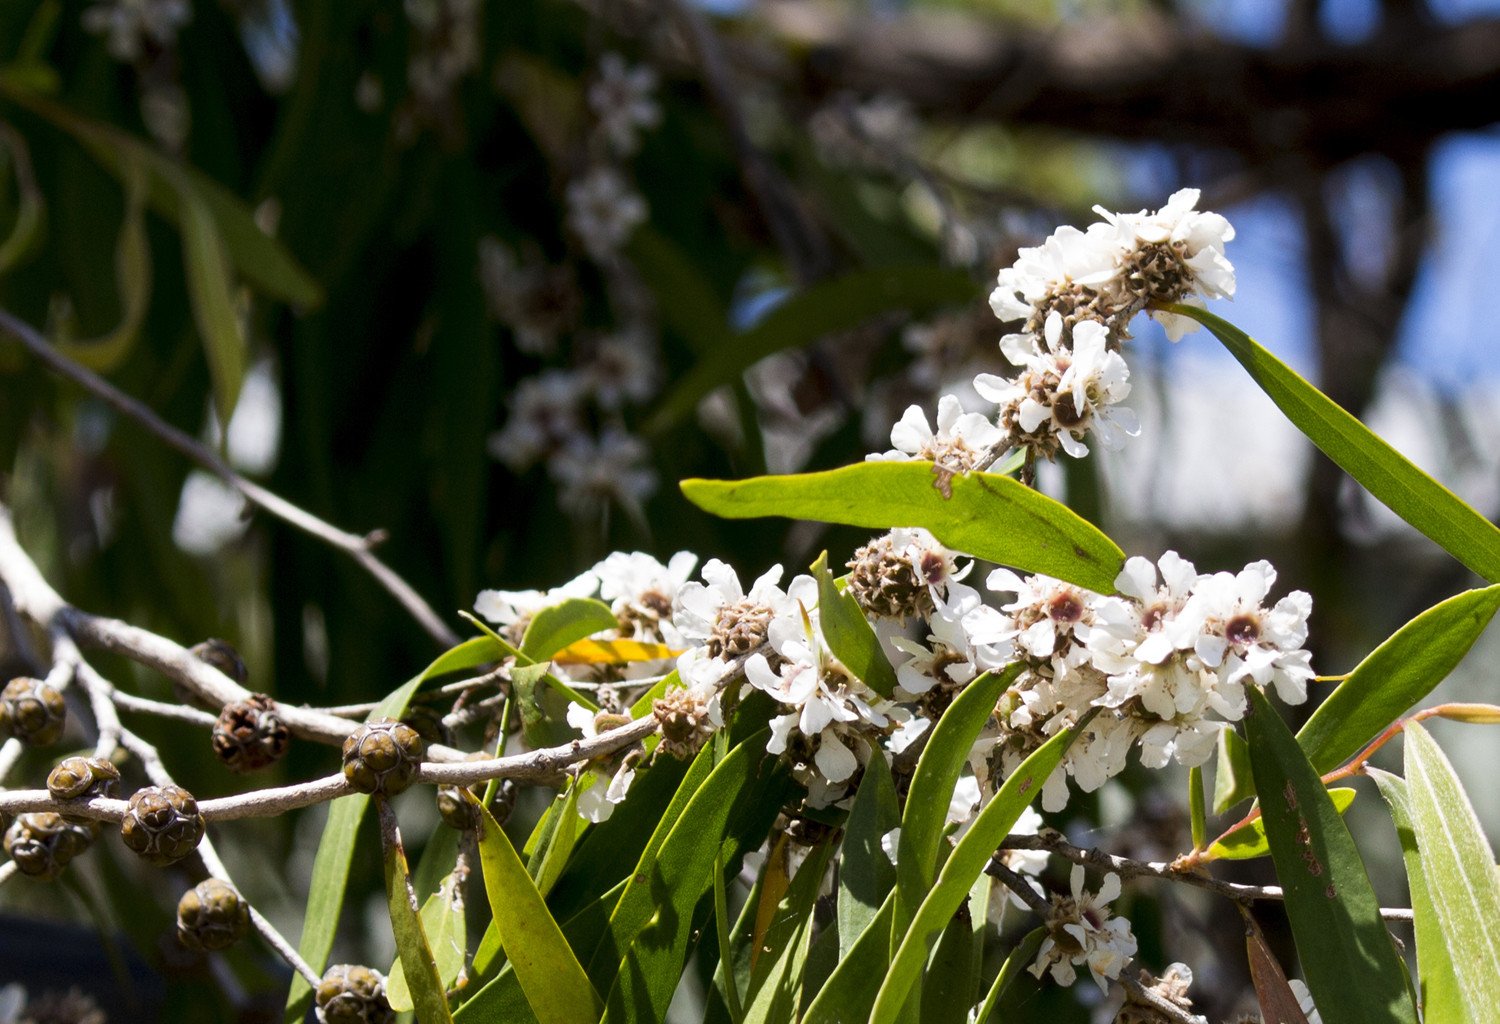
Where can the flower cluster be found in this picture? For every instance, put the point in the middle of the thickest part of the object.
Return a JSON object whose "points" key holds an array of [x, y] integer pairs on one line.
{"points": [[1075, 295]]}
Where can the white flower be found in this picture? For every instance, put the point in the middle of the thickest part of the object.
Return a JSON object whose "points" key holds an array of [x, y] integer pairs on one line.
{"points": [[965, 637], [728, 622], [545, 417], [641, 592], [1061, 393], [448, 45], [1082, 932], [622, 369], [591, 474], [1048, 615], [1068, 259], [130, 26], [517, 607], [603, 210], [1244, 640], [622, 98], [960, 440], [536, 301]]}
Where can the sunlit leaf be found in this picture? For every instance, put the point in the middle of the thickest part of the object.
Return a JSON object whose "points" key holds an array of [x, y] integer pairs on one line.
{"points": [[421, 981], [553, 629], [1352, 968], [555, 985], [1458, 868], [1233, 781], [1383, 471], [613, 652], [1395, 676], [1441, 1000], [965, 864], [1249, 841], [443, 923], [849, 634], [989, 516]]}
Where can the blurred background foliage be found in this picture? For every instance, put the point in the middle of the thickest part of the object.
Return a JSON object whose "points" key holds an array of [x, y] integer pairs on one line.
{"points": [[362, 236]]}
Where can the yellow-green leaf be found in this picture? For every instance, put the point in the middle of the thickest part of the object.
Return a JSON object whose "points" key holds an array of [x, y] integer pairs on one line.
{"points": [[211, 289], [1249, 841]]}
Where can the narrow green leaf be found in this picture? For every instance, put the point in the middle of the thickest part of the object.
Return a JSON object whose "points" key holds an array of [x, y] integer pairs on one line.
{"points": [[989, 516], [726, 973], [776, 984], [965, 864], [1352, 968], [1020, 958], [420, 977], [943, 759], [948, 983], [849, 634], [849, 993], [556, 987], [26, 229], [554, 628], [211, 289], [654, 925], [1395, 676], [543, 708], [1197, 812], [262, 260], [442, 918], [1458, 867], [866, 874], [1233, 781], [560, 843], [821, 309], [330, 876], [1442, 1002], [1379, 468], [1249, 841]]}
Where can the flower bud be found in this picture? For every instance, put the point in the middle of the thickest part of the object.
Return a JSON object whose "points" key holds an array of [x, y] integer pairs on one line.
{"points": [[382, 757], [250, 735], [162, 824], [349, 994], [32, 712], [42, 843], [211, 915]]}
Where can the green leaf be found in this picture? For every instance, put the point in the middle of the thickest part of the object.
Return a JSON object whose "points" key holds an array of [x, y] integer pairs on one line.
{"points": [[1352, 968], [330, 876], [656, 920], [1395, 676], [1249, 841], [866, 874], [561, 841], [816, 311], [942, 761], [258, 257], [554, 628], [849, 635], [133, 281], [26, 229], [776, 983], [556, 987], [964, 864], [1442, 1002], [419, 970], [211, 289], [442, 920], [1379, 468], [1020, 958], [1233, 782], [989, 516], [1458, 868], [849, 992], [543, 708], [646, 702], [948, 984], [1196, 810]]}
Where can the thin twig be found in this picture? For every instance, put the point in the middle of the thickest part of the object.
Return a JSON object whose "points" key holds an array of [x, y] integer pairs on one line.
{"points": [[1169, 1010], [145, 706], [360, 548], [7, 870], [1053, 842], [10, 753]]}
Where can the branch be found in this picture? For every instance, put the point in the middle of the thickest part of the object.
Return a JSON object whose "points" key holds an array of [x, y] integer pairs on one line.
{"points": [[357, 547], [1053, 842]]}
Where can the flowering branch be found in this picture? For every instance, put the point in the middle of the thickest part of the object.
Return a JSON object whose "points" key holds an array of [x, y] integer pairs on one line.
{"points": [[360, 548]]}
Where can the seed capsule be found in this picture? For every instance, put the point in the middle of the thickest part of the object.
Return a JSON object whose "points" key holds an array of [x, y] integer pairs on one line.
{"points": [[162, 824], [250, 735], [382, 757], [211, 915], [349, 994], [32, 712], [42, 843]]}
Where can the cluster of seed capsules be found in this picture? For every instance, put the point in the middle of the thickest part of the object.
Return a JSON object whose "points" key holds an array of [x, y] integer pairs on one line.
{"points": [[163, 824]]}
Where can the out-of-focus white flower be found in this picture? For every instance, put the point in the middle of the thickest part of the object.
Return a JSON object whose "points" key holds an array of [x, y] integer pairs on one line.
{"points": [[603, 210], [623, 100], [545, 418], [960, 441], [130, 27], [592, 474], [447, 45], [1083, 933], [623, 368], [536, 301]]}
